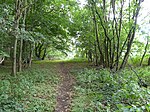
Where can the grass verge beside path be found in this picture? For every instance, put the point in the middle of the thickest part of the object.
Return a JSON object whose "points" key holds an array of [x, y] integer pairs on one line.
{"points": [[32, 90]]}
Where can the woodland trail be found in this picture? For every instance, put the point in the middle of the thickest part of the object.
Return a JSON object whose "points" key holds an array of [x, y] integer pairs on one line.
{"points": [[65, 87]]}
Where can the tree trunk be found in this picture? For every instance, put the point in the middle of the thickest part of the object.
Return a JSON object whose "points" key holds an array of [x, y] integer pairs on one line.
{"points": [[14, 57], [144, 53], [21, 40], [131, 35], [2, 59], [38, 50], [96, 55], [148, 61], [20, 56], [16, 26], [30, 57], [44, 54], [97, 38]]}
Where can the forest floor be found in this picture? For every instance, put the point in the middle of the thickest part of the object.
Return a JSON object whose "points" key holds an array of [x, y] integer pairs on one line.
{"points": [[72, 86], [46, 87]]}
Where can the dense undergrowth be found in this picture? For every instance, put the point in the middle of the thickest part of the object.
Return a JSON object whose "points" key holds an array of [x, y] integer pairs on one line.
{"points": [[103, 91], [96, 90], [32, 90]]}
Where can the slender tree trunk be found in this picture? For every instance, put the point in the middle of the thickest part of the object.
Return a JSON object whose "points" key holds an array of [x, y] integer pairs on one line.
{"points": [[144, 53], [2, 59], [21, 40], [113, 47], [16, 26], [131, 34], [96, 55], [30, 57], [97, 38], [14, 57], [148, 61], [44, 55], [20, 56], [38, 50]]}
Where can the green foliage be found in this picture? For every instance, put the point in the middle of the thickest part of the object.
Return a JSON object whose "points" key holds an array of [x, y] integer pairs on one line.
{"points": [[77, 60], [135, 60], [102, 90], [31, 90], [55, 54], [3, 54]]}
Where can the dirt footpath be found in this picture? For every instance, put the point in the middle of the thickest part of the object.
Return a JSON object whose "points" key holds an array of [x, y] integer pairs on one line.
{"points": [[64, 94]]}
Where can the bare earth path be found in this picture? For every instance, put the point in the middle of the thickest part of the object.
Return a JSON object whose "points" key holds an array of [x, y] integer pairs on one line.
{"points": [[65, 89]]}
